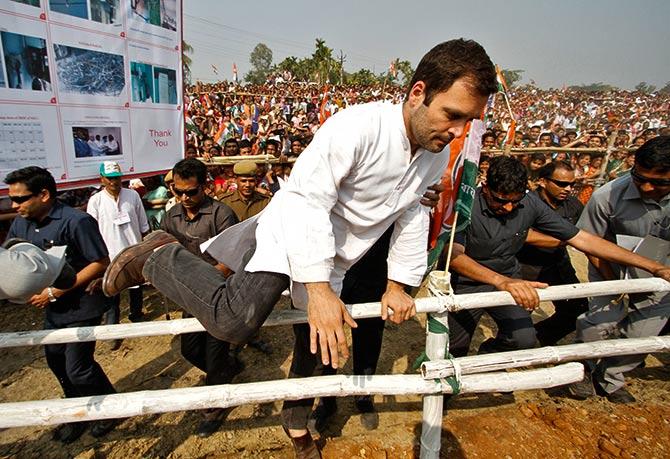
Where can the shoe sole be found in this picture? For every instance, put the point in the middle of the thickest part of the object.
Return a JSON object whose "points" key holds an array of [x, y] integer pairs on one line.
{"points": [[117, 259]]}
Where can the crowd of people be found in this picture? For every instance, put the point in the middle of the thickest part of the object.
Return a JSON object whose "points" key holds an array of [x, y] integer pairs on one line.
{"points": [[348, 222]]}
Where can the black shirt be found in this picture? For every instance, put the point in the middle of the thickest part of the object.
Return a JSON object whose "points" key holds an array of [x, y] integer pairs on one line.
{"points": [[213, 217], [79, 232], [494, 241], [570, 209]]}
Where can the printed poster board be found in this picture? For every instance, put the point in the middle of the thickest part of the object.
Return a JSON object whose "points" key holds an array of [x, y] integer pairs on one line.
{"points": [[90, 80]]}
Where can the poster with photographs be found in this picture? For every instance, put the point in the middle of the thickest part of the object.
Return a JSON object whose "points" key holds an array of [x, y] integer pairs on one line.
{"points": [[89, 80]]}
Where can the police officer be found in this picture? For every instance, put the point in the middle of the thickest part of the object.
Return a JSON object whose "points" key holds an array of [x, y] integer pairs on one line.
{"points": [[245, 200]]}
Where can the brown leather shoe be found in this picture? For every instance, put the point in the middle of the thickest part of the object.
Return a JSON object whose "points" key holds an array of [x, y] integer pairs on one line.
{"points": [[304, 446], [125, 270]]}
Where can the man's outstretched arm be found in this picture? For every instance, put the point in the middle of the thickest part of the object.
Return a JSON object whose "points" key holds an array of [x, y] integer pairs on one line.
{"points": [[522, 291]]}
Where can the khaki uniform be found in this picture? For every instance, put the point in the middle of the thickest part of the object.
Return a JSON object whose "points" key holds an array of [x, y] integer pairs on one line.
{"points": [[243, 209]]}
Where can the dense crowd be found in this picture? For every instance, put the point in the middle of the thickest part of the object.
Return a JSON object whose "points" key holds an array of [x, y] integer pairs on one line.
{"points": [[338, 236]]}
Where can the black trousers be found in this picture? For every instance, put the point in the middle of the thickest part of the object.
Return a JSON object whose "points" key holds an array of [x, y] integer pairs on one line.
{"points": [[563, 321], [209, 354], [515, 328], [74, 365], [365, 282]]}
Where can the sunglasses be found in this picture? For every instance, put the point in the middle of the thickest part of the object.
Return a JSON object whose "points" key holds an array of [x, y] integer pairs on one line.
{"points": [[21, 199], [504, 201], [652, 181], [190, 193], [561, 183]]}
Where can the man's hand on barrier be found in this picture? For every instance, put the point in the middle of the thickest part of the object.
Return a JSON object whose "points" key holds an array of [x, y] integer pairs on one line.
{"points": [[523, 292], [663, 273], [432, 196], [326, 314], [399, 302]]}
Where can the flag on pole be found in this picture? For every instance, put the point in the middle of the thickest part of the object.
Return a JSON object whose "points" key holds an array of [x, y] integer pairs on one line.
{"points": [[460, 181], [234, 72], [324, 112], [392, 70]]}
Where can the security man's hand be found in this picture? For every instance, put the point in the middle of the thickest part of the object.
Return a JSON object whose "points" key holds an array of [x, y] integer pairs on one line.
{"points": [[399, 302], [523, 292], [432, 196], [663, 273], [326, 314], [41, 300]]}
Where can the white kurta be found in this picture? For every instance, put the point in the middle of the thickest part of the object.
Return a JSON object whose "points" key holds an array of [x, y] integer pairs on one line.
{"points": [[354, 180]]}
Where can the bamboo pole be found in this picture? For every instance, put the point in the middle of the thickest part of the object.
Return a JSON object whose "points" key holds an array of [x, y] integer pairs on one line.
{"points": [[231, 160], [553, 354], [358, 311], [49, 412], [437, 348]]}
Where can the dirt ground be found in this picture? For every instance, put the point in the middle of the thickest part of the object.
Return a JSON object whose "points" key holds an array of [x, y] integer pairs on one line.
{"points": [[534, 424]]}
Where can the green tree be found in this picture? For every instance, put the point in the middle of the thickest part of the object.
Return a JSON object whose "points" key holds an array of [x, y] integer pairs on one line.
{"points": [[594, 87], [362, 77], [323, 62], [665, 89], [186, 61], [261, 64], [512, 77], [645, 87]]}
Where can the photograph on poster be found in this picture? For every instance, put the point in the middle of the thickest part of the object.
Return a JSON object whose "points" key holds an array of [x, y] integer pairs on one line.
{"points": [[141, 82], [26, 62], [28, 2], [76, 8], [2, 74], [83, 71], [162, 13], [94, 141], [106, 11], [165, 86]]}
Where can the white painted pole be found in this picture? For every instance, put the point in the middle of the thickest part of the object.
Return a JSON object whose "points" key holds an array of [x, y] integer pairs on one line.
{"points": [[358, 311], [554, 354], [48, 412], [437, 348]]}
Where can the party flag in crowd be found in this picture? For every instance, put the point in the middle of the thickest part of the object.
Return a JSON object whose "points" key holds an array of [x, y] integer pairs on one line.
{"points": [[234, 72], [392, 70], [502, 89], [324, 112], [460, 181]]}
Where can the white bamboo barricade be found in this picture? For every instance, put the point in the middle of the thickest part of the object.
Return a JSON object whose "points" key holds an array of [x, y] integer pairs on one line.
{"points": [[358, 311], [439, 375]]}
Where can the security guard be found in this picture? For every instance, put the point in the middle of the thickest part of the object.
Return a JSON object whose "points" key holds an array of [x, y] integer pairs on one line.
{"points": [[245, 201]]}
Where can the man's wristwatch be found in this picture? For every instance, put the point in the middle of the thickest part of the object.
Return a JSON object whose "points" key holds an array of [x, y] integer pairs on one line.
{"points": [[52, 298]]}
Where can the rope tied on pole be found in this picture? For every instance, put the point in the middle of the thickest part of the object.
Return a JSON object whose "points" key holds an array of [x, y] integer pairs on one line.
{"points": [[440, 287]]}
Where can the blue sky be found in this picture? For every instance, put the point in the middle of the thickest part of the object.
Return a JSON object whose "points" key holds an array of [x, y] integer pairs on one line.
{"points": [[555, 42]]}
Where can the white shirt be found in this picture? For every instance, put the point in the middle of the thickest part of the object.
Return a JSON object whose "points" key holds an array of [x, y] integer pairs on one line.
{"points": [[121, 221], [354, 180]]}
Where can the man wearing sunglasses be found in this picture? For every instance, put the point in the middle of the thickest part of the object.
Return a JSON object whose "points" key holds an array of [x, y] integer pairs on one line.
{"points": [[636, 204], [552, 265], [195, 219], [45, 222], [485, 257]]}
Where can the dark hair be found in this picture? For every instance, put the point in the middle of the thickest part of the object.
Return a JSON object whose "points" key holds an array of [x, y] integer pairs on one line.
{"points": [[547, 134], [654, 154], [488, 134], [35, 178], [245, 143], [538, 156], [272, 142], [547, 170], [231, 140], [451, 60], [483, 158], [506, 175], [191, 167]]}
